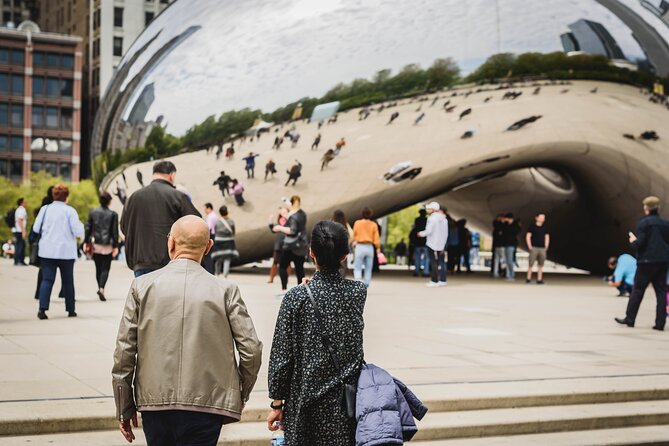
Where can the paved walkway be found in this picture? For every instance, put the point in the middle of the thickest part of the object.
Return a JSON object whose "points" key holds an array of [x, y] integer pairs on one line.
{"points": [[474, 330]]}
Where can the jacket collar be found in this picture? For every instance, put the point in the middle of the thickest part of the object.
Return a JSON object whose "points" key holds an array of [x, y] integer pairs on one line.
{"points": [[160, 180]]}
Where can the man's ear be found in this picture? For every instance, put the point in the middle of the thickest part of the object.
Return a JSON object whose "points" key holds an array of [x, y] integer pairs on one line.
{"points": [[171, 248], [208, 248]]}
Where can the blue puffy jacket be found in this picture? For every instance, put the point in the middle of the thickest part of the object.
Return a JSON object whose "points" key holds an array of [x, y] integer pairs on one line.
{"points": [[385, 409]]}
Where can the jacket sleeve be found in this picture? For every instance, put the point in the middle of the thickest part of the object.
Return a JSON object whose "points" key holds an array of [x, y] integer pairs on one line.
{"points": [[125, 216], [377, 238], [281, 361], [114, 230], [641, 236], [187, 207], [125, 357], [75, 224], [247, 343], [428, 228], [293, 224], [88, 227]]}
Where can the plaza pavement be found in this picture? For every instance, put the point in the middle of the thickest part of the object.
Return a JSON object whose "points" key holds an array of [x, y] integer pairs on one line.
{"points": [[475, 330]]}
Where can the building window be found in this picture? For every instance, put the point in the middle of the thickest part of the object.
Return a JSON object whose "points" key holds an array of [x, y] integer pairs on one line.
{"points": [[96, 77], [16, 169], [52, 88], [118, 17], [66, 88], [148, 17], [38, 86], [65, 171], [38, 58], [4, 115], [66, 119], [164, 2], [96, 48], [3, 167], [3, 143], [65, 146], [4, 83], [17, 85], [51, 167], [52, 117], [118, 46], [16, 143], [16, 116], [4, 56], [67, 61], [38, 117], [37, 144], [35, 166], [18, 57], [53, 60]]}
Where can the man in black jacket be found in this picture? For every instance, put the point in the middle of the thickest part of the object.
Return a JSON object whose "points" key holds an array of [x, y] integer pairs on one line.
{"points": [[148, 216], [652, 243]]}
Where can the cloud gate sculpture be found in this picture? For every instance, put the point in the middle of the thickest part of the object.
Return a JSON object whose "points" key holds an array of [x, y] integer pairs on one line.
{"points": [[207, 75]]}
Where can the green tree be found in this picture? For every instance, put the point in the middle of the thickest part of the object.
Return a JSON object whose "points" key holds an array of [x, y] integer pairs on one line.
{"points": [[497, 66], [442, 73]]}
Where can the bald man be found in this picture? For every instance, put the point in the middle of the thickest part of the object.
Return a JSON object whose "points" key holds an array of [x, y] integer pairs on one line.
{"points": [[176, 343]]}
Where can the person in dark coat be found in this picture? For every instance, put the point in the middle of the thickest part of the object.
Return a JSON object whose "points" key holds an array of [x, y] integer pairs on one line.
{"points": [[101, 238], [652, 243], [148, 216], [294, 173], [223, 182], [305, 386], [295, 244]]}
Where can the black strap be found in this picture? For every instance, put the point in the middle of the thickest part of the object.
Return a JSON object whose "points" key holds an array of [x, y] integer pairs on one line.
{"points": [[46, 208], [326, 340]]}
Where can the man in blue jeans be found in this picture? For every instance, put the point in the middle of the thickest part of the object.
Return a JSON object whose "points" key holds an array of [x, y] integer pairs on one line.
{"points": [[624, 270], [19, 231], [436, 234], [421, 258]]}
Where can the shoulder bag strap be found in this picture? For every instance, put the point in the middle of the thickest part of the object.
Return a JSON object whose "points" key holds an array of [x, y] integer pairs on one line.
{"points": [[226, 224], [319, 320], [46, 208]]}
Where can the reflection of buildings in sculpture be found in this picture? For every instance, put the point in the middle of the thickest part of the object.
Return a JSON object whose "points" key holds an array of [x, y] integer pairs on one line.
{"points": [[591, 38], [142, 105], [131, 135], [659, 8]]}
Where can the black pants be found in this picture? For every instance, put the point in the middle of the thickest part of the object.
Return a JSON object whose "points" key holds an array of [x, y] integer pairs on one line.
{"points": [[102, 267], [181, 428], [284, 262], [649, 273]]}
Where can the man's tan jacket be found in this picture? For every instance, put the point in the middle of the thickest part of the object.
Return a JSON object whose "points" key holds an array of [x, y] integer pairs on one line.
{"points": [[177, 340]]}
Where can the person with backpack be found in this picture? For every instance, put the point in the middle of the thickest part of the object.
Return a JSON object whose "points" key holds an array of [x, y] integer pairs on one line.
{"points": [[19, 224]]}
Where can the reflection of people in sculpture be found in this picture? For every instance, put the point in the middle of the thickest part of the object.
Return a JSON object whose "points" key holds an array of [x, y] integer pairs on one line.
{"points": [[222, 182], [523, 122], [397, 168], [316, 142], [465, 113], [294, 173], [270, 169], [411, 174], [419, 118], [230, 151], [120, 193], [468, 134], [393, 117], [327, 157]]}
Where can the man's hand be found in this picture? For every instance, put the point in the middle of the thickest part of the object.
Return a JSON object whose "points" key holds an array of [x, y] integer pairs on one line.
{"points": [[274, 415], [23, 234], [126, 428], [632, 237], [114, 252]]}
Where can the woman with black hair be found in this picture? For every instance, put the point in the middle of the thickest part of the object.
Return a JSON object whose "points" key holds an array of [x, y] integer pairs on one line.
{"points": [[304, 383], [101, 240], [339, 217]]}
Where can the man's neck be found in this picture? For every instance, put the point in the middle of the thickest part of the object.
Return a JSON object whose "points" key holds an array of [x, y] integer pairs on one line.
{"points": [[188, 256]]}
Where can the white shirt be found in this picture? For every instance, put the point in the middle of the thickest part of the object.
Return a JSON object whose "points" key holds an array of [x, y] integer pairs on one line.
{"points": [[436, 231], [20, 213], [59, 231]]}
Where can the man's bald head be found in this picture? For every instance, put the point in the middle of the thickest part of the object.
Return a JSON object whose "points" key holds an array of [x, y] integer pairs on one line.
{"points": [[189, 238]]}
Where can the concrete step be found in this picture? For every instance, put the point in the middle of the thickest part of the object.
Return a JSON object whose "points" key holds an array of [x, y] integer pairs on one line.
{"points": [[76, 415], [597, 419]]}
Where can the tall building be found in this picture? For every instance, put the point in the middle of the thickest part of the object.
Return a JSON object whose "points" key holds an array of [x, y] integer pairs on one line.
{"points": [[16, 11], [108, 28], [569, 42], [593, 38], [659, 8], [40, 103]]}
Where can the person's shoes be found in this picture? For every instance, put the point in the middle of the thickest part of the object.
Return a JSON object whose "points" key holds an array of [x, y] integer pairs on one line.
{"points": [[655, 327], [41, 314], [101, 295], [510, 279], [624, 321], [528, 280], [622, 295], [71, 314], [442, 283], [540, 282], [432, 284]]}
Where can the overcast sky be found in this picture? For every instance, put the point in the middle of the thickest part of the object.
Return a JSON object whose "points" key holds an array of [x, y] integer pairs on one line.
{"points": [[267, 53]]}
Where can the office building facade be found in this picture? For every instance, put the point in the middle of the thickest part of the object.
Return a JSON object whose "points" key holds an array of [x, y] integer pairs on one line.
{"points": [[593, 38]]}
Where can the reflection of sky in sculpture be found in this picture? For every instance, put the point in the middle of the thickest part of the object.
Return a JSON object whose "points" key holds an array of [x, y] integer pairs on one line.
{"points": [[264, 54]]}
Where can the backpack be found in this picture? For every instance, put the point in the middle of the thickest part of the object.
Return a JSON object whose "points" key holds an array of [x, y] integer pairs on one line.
{"points": [[9, 218]]}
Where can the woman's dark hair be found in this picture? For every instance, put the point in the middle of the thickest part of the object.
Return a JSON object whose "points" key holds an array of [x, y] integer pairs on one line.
{"points": [[329, 243], [340, 217], [105, 199], [367, 213], [223, 210]]}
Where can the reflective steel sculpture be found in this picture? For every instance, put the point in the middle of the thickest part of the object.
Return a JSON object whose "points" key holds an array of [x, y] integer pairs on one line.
{"points": [[530, 133]]}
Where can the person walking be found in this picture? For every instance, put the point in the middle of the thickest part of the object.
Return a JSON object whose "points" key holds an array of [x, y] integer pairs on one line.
{"points": [[295, 243], [59, 227], [464, 243], [238, 192], [421, 259], [305, 386], [509, 242], [20, 232], [624, 270], [538, 240], [223, 181], [101, 235], [224, 250], [436, 234], [250, 161], [498, 258], [328, 156], [366, 240], [121, 193], [281, 219], [211, 217], [140, 178], [452, 244], [147, 217], [317, 141], [401, 253], [294, 173], [652, 243], [177, 346], [270, 169]]}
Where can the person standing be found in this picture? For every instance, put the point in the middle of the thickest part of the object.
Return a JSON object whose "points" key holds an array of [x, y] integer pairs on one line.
{"points": [[366, 240], [270, 169], [317, 141], [224, 250], [282, 218], [176, 348], [121, 193], [436, 233], [497, 261], [211, 217], [652, 243], [401, 253], [339, 217], [223, 182], [295, 243], [624, 270], [421, 259], [147, 217], [452, 244], [59, 227], [20, 232], [250, 168], [475, 249], [509, 242], [102, 235], [304, 386], [538, 240], [464, 243]]}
